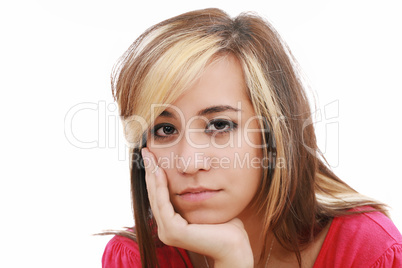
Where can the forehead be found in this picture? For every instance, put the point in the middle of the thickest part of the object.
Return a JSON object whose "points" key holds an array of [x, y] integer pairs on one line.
{"points": [[221, 83]]}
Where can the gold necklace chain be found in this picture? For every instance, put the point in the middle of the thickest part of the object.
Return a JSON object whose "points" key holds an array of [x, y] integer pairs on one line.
{"points": [[269, 254], [206, 261]]}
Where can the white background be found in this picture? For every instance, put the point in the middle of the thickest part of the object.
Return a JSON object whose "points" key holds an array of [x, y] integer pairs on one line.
{"points": [[56, 55]]}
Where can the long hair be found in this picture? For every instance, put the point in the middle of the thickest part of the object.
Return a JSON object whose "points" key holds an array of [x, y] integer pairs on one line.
{"points": [[299, 194]]}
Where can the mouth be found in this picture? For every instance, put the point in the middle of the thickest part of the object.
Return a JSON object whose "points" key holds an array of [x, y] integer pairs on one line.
{"points": [[198, 194]]}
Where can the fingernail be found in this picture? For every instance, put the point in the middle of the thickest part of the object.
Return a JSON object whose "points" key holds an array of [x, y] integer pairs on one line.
{"points": [[144, 152]]}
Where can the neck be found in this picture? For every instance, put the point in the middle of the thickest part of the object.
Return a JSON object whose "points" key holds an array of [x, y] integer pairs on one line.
{"points": [[253, 225], [279, 256]]}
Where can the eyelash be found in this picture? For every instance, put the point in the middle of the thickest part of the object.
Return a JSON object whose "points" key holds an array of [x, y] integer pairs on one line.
{"points": [[229, 126], [160, 126]]}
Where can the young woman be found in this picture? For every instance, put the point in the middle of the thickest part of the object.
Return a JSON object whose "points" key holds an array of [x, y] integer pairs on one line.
{"points": [[225, 169]]}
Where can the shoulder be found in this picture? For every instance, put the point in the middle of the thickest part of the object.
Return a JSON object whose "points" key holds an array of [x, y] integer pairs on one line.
{"points": [[123, 252], [361, 240]]}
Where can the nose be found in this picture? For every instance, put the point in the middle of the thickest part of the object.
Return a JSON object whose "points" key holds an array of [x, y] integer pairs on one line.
{"points": [[192, 154]]}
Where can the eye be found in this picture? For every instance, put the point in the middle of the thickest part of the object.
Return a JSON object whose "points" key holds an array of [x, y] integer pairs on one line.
{"points": [[220, 126], [163, 130]]}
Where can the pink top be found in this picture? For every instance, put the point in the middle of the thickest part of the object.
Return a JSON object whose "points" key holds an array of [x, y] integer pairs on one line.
{"points": [[363, 240], [122, 252]]}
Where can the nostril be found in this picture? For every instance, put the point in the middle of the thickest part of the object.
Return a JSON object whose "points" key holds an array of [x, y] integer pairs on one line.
{"points": [[192, 163]]}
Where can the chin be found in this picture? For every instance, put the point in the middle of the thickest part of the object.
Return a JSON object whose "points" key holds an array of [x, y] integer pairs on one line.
{"points": [[198, 217]]}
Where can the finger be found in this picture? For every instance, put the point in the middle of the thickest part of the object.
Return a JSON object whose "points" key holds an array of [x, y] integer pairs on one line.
{"points": [[150, 183], [158, 189], [162, 200], [150, 179]]}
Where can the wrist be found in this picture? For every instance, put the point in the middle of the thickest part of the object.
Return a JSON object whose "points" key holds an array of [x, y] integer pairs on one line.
{"points": [[237, 258]]}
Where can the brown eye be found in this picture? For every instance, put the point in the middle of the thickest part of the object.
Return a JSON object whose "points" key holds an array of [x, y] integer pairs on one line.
{"points": [[220, 126], [167, 130], [163, 130]]}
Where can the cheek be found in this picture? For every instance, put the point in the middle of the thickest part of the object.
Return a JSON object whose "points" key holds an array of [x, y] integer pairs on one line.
{"points": [[247, 165], [252, 137], [166, 161], [164, 157]]}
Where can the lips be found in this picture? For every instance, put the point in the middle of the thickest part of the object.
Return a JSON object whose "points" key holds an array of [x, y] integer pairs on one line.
{"points": [[197, 194]]}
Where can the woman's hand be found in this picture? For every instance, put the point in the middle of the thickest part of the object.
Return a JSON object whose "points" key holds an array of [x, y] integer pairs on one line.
{"points": [[226, 243]]}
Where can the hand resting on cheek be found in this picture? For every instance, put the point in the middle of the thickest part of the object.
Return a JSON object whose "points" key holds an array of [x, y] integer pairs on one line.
{"points": [[227, 244]]}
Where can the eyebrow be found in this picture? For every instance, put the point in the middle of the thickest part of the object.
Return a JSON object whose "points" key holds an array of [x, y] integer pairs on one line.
{"points": [[206, 111], [167, 114], [217, 109]]}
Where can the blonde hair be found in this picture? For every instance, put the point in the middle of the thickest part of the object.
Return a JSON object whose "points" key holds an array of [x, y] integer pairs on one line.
{"points": [[297, 200]]}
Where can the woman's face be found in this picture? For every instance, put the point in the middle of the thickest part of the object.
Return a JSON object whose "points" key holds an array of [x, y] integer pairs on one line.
{"points": [[208, 143]]}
